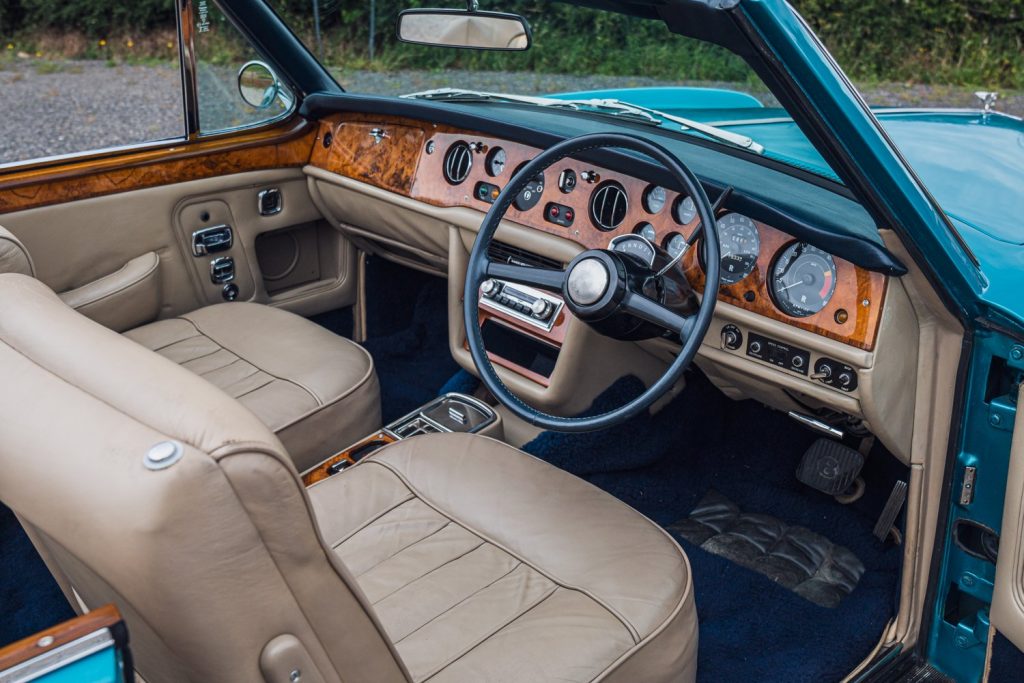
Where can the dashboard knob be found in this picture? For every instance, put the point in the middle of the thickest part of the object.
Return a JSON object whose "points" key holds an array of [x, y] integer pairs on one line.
{"points": [[490, 288], [844, 379], [823, 373], [755, 347], [541, 309]]}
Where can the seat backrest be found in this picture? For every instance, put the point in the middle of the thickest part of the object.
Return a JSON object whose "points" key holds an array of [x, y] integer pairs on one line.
{"points": [[209, 559], [14, 257]]}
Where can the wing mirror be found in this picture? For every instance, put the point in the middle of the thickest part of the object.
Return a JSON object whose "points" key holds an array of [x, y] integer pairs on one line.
{"points": [[259, 86], [469, 28]]}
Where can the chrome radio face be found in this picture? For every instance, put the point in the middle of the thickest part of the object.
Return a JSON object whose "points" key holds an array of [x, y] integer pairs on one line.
{"points": [[530, 305]]}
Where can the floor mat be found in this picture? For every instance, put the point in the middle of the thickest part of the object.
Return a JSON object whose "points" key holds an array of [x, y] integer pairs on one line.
{"points": [[806, 563], [751, 628]]}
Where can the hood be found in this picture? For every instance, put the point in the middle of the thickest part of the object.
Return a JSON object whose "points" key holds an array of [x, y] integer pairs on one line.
{"points": [[971, 162]]}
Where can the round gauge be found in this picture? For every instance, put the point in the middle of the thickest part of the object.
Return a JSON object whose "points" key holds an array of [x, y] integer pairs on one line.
{"points": [[635, 246], [675, 245], [647, 231], [495, 162], [803, 280], [654, 199], [741, 245], [684, 210], [530, 195]]}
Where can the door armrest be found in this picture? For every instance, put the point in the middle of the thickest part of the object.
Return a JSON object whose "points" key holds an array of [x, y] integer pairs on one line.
{"points": [[126, 298]]}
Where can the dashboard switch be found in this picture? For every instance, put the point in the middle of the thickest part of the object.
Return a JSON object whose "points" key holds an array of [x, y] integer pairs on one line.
{"points": [[835, 374], [778, 353], [559, 214]]}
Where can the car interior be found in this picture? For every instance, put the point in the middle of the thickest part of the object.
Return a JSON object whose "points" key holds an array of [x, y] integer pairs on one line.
{"points": [[348, 395]]}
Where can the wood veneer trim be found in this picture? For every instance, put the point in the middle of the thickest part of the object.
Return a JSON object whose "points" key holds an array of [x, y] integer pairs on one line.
{"points": [[288, 145], [855, 284]]}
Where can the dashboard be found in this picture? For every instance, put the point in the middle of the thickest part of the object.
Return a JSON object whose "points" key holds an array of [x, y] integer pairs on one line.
{"points": [[764, 270]]}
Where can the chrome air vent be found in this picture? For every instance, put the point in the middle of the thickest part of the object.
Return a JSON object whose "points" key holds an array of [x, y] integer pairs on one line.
{"points": [[500, 252], [457, 162], [608, 206]]}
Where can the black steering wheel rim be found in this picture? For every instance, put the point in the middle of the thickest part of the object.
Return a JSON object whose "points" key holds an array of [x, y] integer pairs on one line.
{"points": [[693, 333]]}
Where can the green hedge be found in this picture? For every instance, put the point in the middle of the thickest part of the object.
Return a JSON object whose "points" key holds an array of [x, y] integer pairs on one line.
{"points": [[974, 42]]}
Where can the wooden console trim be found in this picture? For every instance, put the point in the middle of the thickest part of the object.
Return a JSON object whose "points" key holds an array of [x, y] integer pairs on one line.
{"points": [[287, 145], [25, 649], [320, 472], [414, 173]]}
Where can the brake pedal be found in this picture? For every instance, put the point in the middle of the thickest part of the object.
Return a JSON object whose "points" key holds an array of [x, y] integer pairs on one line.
{"points": [[830, 467]]}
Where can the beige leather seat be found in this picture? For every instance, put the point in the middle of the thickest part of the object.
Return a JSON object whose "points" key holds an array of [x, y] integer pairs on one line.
{"points": [[317, 391], [441, 558]]}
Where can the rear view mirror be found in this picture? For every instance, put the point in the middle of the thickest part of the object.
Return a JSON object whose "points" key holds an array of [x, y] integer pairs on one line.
{"points": [[464, 29]]}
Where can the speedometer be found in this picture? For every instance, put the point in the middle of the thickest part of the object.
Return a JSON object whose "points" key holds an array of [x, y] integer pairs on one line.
{"points": [[803, 280], [741, 245]]}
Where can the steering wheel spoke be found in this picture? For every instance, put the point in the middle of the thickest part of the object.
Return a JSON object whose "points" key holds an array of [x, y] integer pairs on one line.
{"points": [[541, 278], [653, 312]]}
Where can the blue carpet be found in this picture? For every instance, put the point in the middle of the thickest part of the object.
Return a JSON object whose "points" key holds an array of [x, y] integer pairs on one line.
{"points": [[407, 335], [30, 599], [1007, 661], [751, 629]]}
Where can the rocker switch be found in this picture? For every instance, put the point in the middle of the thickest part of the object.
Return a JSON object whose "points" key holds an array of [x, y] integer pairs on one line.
{"points": [[222, 270]]}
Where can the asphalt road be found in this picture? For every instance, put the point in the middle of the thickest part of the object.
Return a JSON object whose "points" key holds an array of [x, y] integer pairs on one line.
{"points": [[52, 108]]}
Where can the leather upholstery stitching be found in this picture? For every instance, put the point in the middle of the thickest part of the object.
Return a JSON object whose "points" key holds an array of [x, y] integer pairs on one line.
{"points": [[370, 521], [316, 398], [246, 393], [423, 576], [634, 634], [402, 549], [176, 341], [493, 633]]}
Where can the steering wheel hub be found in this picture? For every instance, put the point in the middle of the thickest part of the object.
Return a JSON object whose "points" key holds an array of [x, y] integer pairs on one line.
{"points": [[588, 281]]}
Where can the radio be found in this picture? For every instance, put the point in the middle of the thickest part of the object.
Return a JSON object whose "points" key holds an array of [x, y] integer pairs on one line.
{"points": [[521, 302]]}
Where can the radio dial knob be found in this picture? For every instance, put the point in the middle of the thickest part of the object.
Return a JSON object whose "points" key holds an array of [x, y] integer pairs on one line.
{"points": [[541, 309], [490, 288]]}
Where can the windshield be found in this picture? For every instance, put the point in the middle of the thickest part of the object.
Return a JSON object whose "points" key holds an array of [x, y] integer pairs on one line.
{"points": [[582, 61]]}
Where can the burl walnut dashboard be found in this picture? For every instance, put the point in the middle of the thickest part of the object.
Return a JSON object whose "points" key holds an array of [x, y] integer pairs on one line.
{"points": [[764, 270]]}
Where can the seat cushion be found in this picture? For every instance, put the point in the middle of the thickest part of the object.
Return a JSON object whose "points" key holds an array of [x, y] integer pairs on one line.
{"points": [[486, 564], [317, 391]]}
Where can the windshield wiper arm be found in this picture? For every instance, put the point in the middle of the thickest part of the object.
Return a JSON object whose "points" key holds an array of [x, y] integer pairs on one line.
{"points": [[610, 107], [620, 110], [713, 132]]}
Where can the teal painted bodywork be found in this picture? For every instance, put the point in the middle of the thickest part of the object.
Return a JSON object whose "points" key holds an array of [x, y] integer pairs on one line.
{"points": [[99, 667]]}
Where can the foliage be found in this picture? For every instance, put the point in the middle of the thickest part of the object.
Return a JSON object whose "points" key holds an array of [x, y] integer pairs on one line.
{"points": [[973, 42]]}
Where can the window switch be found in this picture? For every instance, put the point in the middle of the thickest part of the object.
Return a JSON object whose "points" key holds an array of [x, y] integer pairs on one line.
{"points": [[270, 202], [222, 270]]}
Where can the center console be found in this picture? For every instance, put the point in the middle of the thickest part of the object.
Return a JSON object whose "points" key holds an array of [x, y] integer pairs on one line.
{"points": [[452, 412]]}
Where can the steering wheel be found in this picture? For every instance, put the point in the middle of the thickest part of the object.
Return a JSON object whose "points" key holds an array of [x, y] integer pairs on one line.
{"points": [[598, 285]]}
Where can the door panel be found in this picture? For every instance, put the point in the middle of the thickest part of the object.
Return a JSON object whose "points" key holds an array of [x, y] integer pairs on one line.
{"points": [[76, 243], [1008, 598]]}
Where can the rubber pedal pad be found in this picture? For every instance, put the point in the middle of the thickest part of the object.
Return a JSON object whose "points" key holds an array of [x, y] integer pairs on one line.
{"points": [[829, 466]]}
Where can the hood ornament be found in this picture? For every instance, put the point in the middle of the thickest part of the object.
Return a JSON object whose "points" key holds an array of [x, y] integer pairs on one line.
{"points": [[988, 100]]}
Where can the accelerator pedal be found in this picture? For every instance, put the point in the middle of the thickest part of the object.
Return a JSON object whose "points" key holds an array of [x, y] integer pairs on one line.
{"points": [[830, 467]]}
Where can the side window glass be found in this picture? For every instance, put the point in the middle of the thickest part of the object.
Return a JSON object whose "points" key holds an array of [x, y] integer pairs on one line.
{"points": [[234, 88], [78, 96]]}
